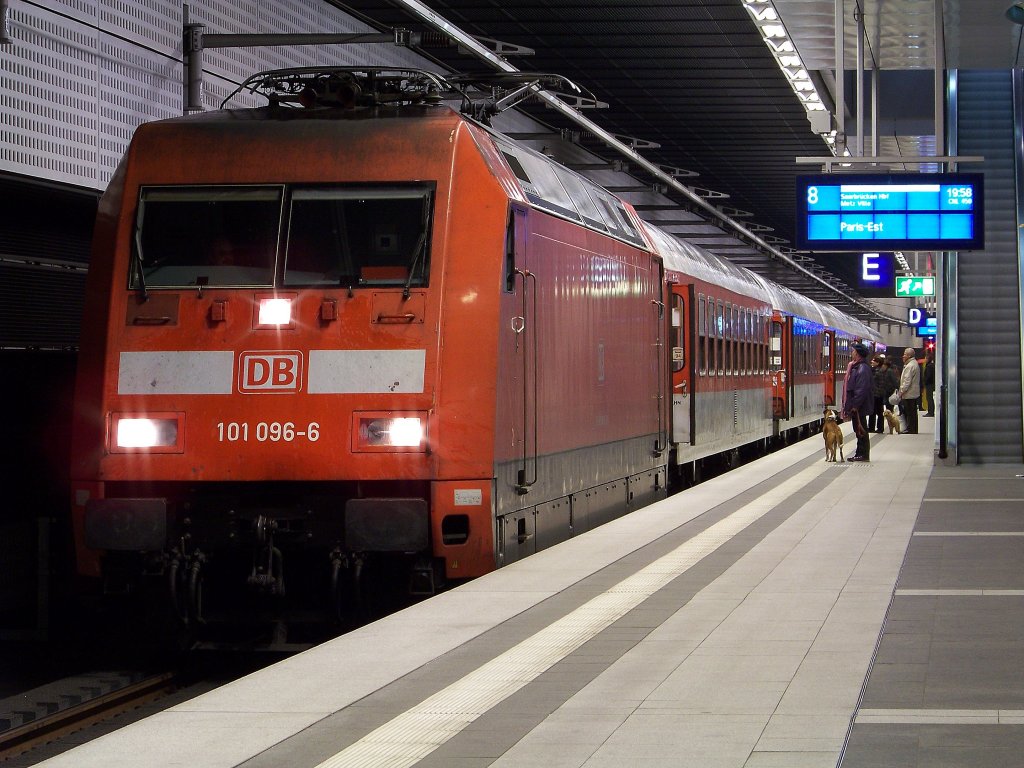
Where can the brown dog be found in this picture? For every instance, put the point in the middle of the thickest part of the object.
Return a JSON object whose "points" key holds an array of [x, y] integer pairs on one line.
{"points": [[893, 421], [833, 435]]}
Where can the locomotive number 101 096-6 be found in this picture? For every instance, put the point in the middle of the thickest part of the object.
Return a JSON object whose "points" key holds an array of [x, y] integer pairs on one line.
{"points": [[266, 432]]}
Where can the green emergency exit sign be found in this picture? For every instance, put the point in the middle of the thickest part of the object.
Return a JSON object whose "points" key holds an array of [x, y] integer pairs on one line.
{"points": [[915, 286]]}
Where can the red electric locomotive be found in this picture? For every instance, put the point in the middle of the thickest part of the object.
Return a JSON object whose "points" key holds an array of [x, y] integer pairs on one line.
{"points": [[355, 326]]}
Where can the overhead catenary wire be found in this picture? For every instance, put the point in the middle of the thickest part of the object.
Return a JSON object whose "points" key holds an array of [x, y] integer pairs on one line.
{"points": [[470, 44]]}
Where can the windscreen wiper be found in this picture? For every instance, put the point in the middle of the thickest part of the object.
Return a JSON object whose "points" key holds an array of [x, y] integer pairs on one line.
{"points": [[138, 264], [417, 253]]}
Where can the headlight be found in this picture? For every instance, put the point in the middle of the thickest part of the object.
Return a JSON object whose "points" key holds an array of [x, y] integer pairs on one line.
{"points": [[146, 433], [390, 432], [275, 311]]}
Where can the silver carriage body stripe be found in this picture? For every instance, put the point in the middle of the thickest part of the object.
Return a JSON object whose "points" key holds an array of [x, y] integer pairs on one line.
{"points": [[351, 371], [175, 373]]}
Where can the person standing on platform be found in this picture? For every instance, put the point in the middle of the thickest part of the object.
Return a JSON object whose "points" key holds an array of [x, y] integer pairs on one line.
{"points": [[858, 400], [928, 381], [890, 383], [875, 418], [910, 390]]}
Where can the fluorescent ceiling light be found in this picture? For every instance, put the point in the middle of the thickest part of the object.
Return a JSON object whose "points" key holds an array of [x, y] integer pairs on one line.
{"points": [[775, 36]]}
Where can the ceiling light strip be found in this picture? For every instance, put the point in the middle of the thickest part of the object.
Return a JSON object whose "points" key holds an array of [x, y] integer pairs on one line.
{"points": [[783, 50]]}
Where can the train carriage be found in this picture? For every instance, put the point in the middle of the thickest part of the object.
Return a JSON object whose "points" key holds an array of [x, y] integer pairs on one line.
{"points": [[357, 326], [719, 395], [581, 423]]}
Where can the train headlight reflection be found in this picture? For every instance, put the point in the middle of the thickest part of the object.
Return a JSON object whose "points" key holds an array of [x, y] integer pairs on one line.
{"points": [[146, 433]]}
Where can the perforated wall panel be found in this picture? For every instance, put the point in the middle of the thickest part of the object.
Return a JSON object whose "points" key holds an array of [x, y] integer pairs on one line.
{"points": [[135, 85], [155, 24], [228, 67], [81, 75], [48, 88]]}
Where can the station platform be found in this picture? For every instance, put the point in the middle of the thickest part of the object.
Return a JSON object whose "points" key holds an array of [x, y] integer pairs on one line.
{"points": [[790, 613]]}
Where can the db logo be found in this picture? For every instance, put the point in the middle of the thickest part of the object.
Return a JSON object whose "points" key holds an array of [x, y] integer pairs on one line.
{"points": [[262, 372]]}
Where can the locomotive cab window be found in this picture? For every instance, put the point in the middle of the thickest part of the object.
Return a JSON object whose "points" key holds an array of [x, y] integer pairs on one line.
{"points": [[359, 236], [202, 236], [231, 236]]}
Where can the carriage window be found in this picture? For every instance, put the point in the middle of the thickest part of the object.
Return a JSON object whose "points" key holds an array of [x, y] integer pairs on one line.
{"points": [[702, 335], [615, 216], [766, 322], [198, 236], [727, 339], [539, 181], [712, 339], [747, 341], [720, 336], [359, 236], [757, 331], [579, 191], [752, 336], [741, 341], [758, 336], [736, 336]]}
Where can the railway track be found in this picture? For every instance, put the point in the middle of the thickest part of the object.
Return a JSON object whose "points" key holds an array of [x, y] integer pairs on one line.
{"points": [[54, 711]]}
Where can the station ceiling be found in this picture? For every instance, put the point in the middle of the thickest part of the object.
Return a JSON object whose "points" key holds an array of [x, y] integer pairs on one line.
{"points": [[695, 78]]}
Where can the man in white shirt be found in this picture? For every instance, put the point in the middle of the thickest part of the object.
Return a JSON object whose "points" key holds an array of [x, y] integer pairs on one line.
{"points": [[910, 390]]}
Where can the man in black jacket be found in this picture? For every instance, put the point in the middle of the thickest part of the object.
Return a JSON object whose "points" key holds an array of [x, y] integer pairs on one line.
{"points": [[858, 400], [928, 381], [875, 417]]}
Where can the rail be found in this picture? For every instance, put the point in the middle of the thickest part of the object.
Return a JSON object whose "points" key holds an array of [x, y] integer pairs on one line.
{"points": [[60, 710]]}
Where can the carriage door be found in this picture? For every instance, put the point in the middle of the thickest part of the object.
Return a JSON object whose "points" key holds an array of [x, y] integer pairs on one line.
{"points": [[777, 354], [827, 350], [680, 362], [521, 281]]}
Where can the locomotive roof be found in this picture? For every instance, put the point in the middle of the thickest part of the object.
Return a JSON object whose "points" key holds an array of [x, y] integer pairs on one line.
{"points": [[691, 259], [678, 254], [273, 113]]}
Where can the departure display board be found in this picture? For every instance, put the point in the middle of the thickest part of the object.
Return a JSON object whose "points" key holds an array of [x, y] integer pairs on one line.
{"points": [[897, 212]]}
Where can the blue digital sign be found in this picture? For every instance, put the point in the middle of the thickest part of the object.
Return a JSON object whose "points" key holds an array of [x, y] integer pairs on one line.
{"points": [[917, 316], [910, 211]]}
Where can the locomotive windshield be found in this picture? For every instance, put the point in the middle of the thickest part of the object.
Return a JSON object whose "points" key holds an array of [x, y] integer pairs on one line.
{"points": [[358, 236], [231, 236], [207, 236]]}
